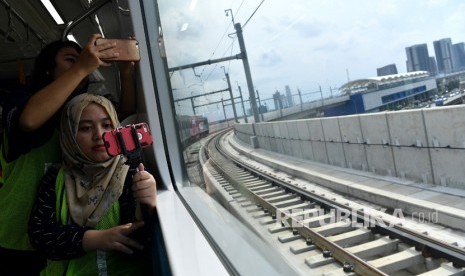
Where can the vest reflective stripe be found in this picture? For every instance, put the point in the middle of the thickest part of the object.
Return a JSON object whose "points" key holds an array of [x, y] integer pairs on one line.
{"points": [[102, 263]]}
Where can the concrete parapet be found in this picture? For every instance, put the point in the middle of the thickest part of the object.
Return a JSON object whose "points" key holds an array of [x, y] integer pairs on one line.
{"points": [[423, 145]]}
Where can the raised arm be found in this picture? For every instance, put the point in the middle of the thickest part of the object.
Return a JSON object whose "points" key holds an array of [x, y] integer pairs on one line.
{"points": [[127, 100], [46, 102]]}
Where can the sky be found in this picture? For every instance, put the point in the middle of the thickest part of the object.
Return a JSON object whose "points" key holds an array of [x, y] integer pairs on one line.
{"points": [[306, 44]]}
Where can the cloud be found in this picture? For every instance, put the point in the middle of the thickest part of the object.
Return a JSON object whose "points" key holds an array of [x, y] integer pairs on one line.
{"points": [[270, 58], [305, 43]]}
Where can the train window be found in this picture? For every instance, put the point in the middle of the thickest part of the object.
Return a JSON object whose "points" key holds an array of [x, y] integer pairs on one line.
{"points": [[233, 61], [297, 53], [227, 59]]}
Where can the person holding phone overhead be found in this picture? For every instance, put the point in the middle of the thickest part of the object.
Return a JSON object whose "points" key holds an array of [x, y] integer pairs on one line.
{"points": [[30, 140], [78, 219]]}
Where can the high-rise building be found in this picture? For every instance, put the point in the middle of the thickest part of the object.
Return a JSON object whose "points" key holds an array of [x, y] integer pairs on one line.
{"points": [[458, 55], [290, 101], [433, 66], [443, 51], [418, 58], [277, 100], [390, 69]]}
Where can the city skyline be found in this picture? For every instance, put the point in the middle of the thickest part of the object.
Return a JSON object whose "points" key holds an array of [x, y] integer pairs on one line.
{"points": [[448, 57], [306, 44]]}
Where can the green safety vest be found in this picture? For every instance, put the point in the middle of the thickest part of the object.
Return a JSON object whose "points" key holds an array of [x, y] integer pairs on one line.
{"points": [[21, 179], [95, 262]]}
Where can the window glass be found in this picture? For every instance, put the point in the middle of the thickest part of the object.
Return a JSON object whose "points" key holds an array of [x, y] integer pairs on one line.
{"points": [[297, 52], [233, 61]]}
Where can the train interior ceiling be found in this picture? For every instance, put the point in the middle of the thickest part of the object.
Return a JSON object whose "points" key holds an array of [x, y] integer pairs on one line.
{"points": [[27, 26]]}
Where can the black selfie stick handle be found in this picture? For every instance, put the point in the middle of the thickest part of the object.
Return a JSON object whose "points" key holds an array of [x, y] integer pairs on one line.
{"points": [[134, 158], [143, 207], [128, 206]]}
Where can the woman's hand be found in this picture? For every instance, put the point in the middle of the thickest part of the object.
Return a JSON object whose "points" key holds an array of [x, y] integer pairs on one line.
{"points": [[144, 188], [115, 238], [92, 55]]}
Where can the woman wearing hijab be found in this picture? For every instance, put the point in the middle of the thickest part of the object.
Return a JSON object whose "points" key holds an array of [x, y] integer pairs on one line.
{"points": [[78, 218], [30, 121]]}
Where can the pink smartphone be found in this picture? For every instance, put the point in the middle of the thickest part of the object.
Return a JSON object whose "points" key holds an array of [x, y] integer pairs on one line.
{"points": [[128, 49], [124, 140]]}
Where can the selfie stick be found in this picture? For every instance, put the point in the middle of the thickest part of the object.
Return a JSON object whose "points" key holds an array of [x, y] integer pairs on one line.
{"points": [[134, 158]]}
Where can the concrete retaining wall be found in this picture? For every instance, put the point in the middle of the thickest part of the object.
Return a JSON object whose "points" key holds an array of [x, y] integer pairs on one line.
{"points": [[424, 145]]}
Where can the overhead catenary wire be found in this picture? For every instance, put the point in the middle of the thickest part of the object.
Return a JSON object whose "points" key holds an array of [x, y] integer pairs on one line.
{"points": [[218, 45], [228, 49], [221, 39], [253, 14]]}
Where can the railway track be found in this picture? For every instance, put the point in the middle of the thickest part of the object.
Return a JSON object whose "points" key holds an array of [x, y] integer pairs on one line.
{"points": [[325, 235]]}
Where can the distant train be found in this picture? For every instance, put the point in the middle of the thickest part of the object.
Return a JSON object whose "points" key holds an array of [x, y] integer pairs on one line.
{"points": [[192, 128]]}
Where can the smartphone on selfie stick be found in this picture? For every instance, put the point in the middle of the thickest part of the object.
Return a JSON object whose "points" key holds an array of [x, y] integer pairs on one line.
{"points": [[129, 141], [128, 49]]}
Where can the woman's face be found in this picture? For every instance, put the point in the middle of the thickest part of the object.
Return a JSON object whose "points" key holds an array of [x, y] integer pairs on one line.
{"points": [[65, 59], [93, 123]]}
